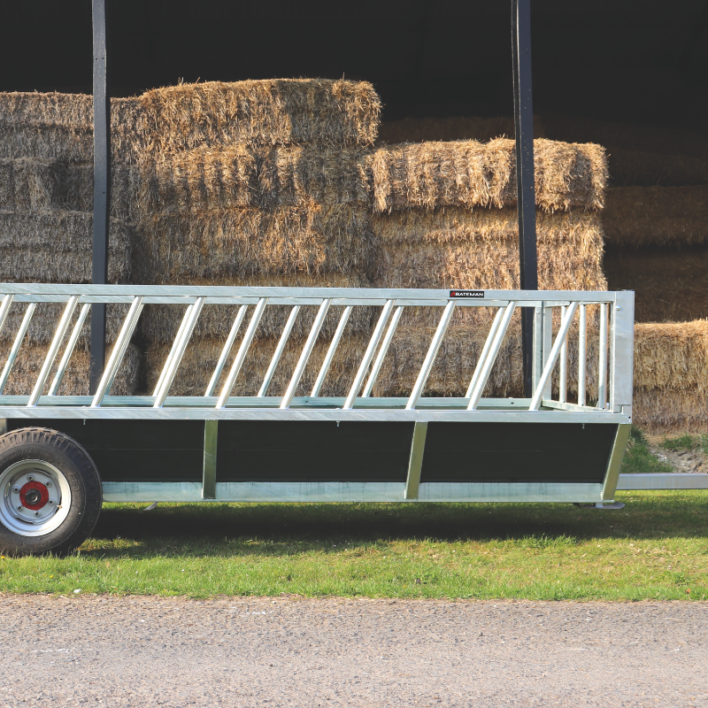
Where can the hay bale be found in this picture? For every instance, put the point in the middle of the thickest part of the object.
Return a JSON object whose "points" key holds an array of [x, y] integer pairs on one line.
{"points": [[238, 243], [656, 216], [29, 185], [76, 378], [242, 176], [200, 359], [188, 116], [268, 112], [454, 248], [470, 174], [56, 247], [418, 130], [671, 356], [160, 323], [59, 126], [664, 411]]}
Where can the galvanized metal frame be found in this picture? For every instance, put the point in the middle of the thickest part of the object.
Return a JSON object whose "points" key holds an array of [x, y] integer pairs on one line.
{"points": [[618, 330]]}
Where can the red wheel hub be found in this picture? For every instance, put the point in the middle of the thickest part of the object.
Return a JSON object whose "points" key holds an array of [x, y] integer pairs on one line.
{"points": [[34, 495]]}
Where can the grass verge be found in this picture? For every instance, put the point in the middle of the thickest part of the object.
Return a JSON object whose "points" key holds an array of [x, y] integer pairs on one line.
{"points": [[655, 548]]}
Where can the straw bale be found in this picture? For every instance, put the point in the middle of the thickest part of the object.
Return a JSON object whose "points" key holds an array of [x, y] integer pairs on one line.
{"points": [[243, 176], [46, 318], [29, 185], [56, 247], [666, 410], [200, 359], [268, 112], [471, 174], [656, 216], [160, 323], [671, 356], [418, 130], [454, 248], [76, 378], [60, 127], [237, 243]]}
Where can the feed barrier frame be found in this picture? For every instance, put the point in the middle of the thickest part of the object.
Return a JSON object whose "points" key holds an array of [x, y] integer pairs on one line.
{"points": [[357, 447]]}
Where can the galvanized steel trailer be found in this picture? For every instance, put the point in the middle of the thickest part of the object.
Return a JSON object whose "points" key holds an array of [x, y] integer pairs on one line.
{"points": [[61, 455]]}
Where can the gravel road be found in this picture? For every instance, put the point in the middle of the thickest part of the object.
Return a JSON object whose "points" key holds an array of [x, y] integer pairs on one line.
{"points": [[92, 651]]}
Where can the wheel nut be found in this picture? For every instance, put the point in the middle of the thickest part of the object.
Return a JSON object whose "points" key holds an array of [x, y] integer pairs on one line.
{"points": [[51, 502], [20, 507], [48, 483], [30, 477], [36, 513], [16, 490]]}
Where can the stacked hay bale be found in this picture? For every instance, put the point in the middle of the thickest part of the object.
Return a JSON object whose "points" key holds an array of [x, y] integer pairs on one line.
{"points": [[46, 202], [446, 218], [671, 376], [255, 183]]}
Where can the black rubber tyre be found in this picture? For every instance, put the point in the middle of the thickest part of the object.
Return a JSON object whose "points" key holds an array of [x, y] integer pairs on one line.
{"points": [[69, 464]]}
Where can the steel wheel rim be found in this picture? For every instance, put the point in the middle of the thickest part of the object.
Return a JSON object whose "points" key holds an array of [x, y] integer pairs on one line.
{"points": [[35, 498]]}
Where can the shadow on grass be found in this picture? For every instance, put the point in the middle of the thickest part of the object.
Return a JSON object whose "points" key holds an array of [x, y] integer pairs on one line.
{"points": [[289, 529]]}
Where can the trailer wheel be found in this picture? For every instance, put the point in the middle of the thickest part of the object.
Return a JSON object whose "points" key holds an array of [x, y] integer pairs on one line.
{"points": [[50, 493]]}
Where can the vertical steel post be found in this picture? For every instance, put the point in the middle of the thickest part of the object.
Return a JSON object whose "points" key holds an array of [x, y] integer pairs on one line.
{"points": [[101, 183], [523, 119]]}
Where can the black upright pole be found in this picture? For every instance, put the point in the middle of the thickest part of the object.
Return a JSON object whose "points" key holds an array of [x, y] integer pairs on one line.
{"points": [[523, 117], [101, 183]]}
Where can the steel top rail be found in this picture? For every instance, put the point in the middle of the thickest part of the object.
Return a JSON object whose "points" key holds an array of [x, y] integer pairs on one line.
{"points": [[217, 294]]}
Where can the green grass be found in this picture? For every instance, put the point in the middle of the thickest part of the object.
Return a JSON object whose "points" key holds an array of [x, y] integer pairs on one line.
{"points": [[639, 459], [685, 442], [655, 548]]}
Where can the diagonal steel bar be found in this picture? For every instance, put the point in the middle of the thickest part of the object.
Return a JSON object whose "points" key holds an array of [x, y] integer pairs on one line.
{"points": [[555, 352], [324, 370], [429, 360], [178, 338], [378, 362], [176, 360], [238, 321], [70, 346], [279, 351], [119, 348], [53, 349], [5, 309], [481, 382], [24, 326], [485, 351], [241, 354], [305, 354], [368, 355]]}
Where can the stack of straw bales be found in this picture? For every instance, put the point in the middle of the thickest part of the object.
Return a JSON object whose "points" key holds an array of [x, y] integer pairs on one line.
{"points": [[254, 183], [445, 217], [46, 200]]}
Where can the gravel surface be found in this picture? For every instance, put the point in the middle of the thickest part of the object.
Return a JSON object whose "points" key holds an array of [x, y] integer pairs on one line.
{"points": [[138, 651]]}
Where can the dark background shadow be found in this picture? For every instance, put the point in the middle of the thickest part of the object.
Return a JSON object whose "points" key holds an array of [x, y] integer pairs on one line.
{"points": [[621, 60]]}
